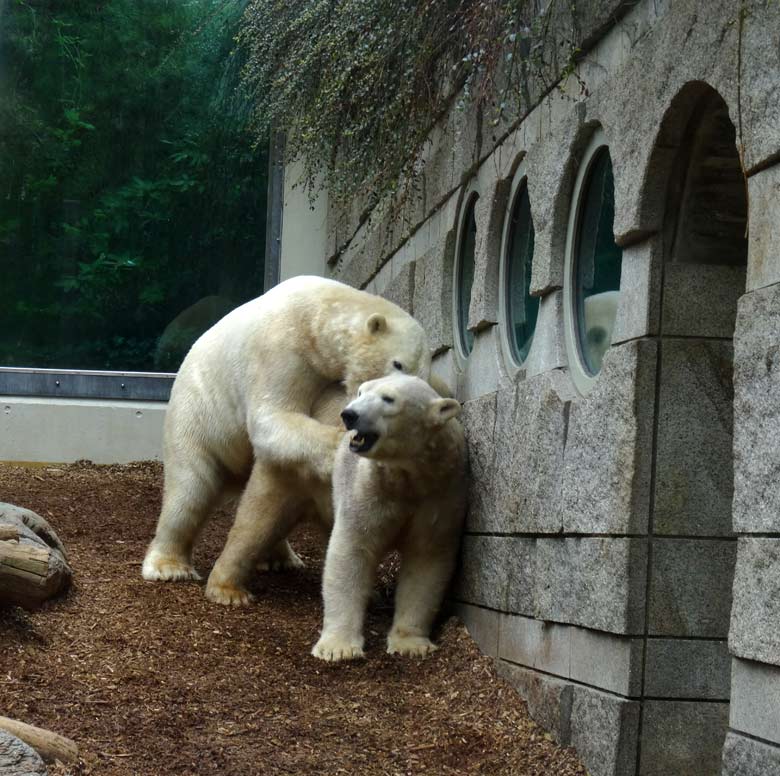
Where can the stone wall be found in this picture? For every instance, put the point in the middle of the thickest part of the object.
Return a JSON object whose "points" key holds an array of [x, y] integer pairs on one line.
{"points": [[605, 531]]}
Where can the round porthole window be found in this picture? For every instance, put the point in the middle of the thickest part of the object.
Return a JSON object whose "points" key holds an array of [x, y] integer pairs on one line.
{"points": [[519, 310], [593, 260], [464, 274]]}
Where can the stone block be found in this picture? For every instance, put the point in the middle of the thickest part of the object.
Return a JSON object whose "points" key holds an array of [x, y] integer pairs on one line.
{"points": [[551, 169], [548, 348], [480, 371], [606, 471], [757, 412], [400, 289], [694, 468], [489, 214], [482, 625], [682, 738], [755, 616], [612, 663], [690, 587], [746, 757], [535, 644], [755, 700], [594, 582], [549, 700], [760, 83], [700, 300], [763, 238], [639, 307], [443, 366], [432, 302], [479, 421], [530, 435], [604, 731], [497, 572], [687, 668], [652, 75]]}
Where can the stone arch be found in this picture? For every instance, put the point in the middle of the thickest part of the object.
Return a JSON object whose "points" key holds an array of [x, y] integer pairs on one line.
{"points": [[695, 195]]}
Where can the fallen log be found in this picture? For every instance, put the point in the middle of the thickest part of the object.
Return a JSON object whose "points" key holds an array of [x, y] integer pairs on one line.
{"points": [[50, 746], [33, 567]]}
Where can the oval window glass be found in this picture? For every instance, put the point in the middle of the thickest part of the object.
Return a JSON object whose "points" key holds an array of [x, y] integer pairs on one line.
{"points": [[597, 267], [466, 277], [522, 308]]}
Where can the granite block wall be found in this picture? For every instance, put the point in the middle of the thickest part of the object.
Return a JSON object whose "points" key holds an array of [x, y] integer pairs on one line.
{"points": [[621, 560]]}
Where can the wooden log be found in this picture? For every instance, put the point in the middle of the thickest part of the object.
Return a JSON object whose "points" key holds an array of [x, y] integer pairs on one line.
{"points": [[30, 573], [18, 758], [50, 746], [8, 532]]}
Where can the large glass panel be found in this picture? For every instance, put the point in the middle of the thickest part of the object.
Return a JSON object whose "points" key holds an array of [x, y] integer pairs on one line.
{"points": [[522, 308], [597, 264], [132, 205], [466, 276]]}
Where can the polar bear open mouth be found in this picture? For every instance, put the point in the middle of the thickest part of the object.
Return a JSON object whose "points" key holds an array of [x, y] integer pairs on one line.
{"points": [[363, 442]]}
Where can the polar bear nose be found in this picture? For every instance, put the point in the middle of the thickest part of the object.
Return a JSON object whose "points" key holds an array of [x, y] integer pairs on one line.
{"points": [[350, 418]]}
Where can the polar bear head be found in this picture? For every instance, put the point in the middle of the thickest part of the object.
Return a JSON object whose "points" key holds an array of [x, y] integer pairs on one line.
{"points": [[387, 344], [396, 417]]}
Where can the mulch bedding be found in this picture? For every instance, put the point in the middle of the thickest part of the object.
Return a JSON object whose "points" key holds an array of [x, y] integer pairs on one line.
{"points": [[152, 679]]}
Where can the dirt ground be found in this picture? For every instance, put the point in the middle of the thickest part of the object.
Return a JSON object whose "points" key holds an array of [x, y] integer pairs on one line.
{"points": [[151, 679]]}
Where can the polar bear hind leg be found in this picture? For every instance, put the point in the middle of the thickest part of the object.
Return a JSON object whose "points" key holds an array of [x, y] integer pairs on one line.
{"points": [[189, 494]]}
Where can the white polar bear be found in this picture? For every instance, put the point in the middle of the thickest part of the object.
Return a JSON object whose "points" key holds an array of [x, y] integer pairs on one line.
{"points": [[243, 396], [398, 482]]}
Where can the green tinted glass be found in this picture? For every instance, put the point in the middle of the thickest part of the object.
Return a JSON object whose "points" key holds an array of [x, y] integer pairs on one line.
{"points": [[132, 213], [597, 264], [466, 276], [522, 308]]}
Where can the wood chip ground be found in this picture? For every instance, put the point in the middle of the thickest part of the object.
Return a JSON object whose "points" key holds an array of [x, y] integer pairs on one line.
{"points": [[153, 680]]}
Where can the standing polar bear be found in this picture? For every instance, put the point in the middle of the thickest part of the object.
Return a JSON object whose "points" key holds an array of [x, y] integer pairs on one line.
{"points": [[399, 482], [242, 402]]}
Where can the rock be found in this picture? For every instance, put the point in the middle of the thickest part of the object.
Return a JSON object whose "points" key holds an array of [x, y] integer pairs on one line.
{"points": [[744, 756], [18, 759]]}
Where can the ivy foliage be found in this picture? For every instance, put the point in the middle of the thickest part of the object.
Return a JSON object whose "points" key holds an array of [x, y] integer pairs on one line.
{"points": [[359, 84]]}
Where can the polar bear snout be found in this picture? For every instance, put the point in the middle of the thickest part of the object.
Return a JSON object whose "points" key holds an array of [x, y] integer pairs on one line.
{"points": [[350, 418]]}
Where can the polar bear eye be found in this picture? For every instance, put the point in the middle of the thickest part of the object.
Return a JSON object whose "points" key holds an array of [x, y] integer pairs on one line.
{"points": [[398, 365], [388, 399]]}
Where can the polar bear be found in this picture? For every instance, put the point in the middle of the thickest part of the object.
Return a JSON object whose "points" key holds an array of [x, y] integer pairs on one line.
{"points": [[243, 396], [398, 482]]}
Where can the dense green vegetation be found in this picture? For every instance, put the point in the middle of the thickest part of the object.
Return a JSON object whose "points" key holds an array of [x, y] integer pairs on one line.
{"points": [[359, 84], [129, 188]]}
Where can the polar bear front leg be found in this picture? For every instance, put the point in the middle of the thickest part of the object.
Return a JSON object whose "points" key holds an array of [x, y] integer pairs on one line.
{"points": [[422, 583], [346, 588], [293, 439], [265, 514]]}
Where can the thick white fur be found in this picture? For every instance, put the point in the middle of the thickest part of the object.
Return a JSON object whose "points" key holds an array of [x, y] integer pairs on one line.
{"points": [[408, 493], [241, 404]]}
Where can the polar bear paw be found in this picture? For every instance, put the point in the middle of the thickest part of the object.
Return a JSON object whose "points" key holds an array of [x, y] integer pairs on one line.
{"points": [[167, 568], [228, 594], [410, 646], [334, 648]]}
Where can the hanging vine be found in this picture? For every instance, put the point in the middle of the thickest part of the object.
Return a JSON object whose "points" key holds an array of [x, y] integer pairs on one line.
{"points": [[359, 84]]}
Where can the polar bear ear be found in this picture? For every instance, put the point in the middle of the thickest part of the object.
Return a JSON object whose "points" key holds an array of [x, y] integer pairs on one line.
{"points": [[441, 410], [376, 324]]}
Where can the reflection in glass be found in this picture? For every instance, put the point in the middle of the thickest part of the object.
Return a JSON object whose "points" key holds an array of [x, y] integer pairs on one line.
{"points": [[132, 213], [522, 308], [597, 264], [466, 276]]}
